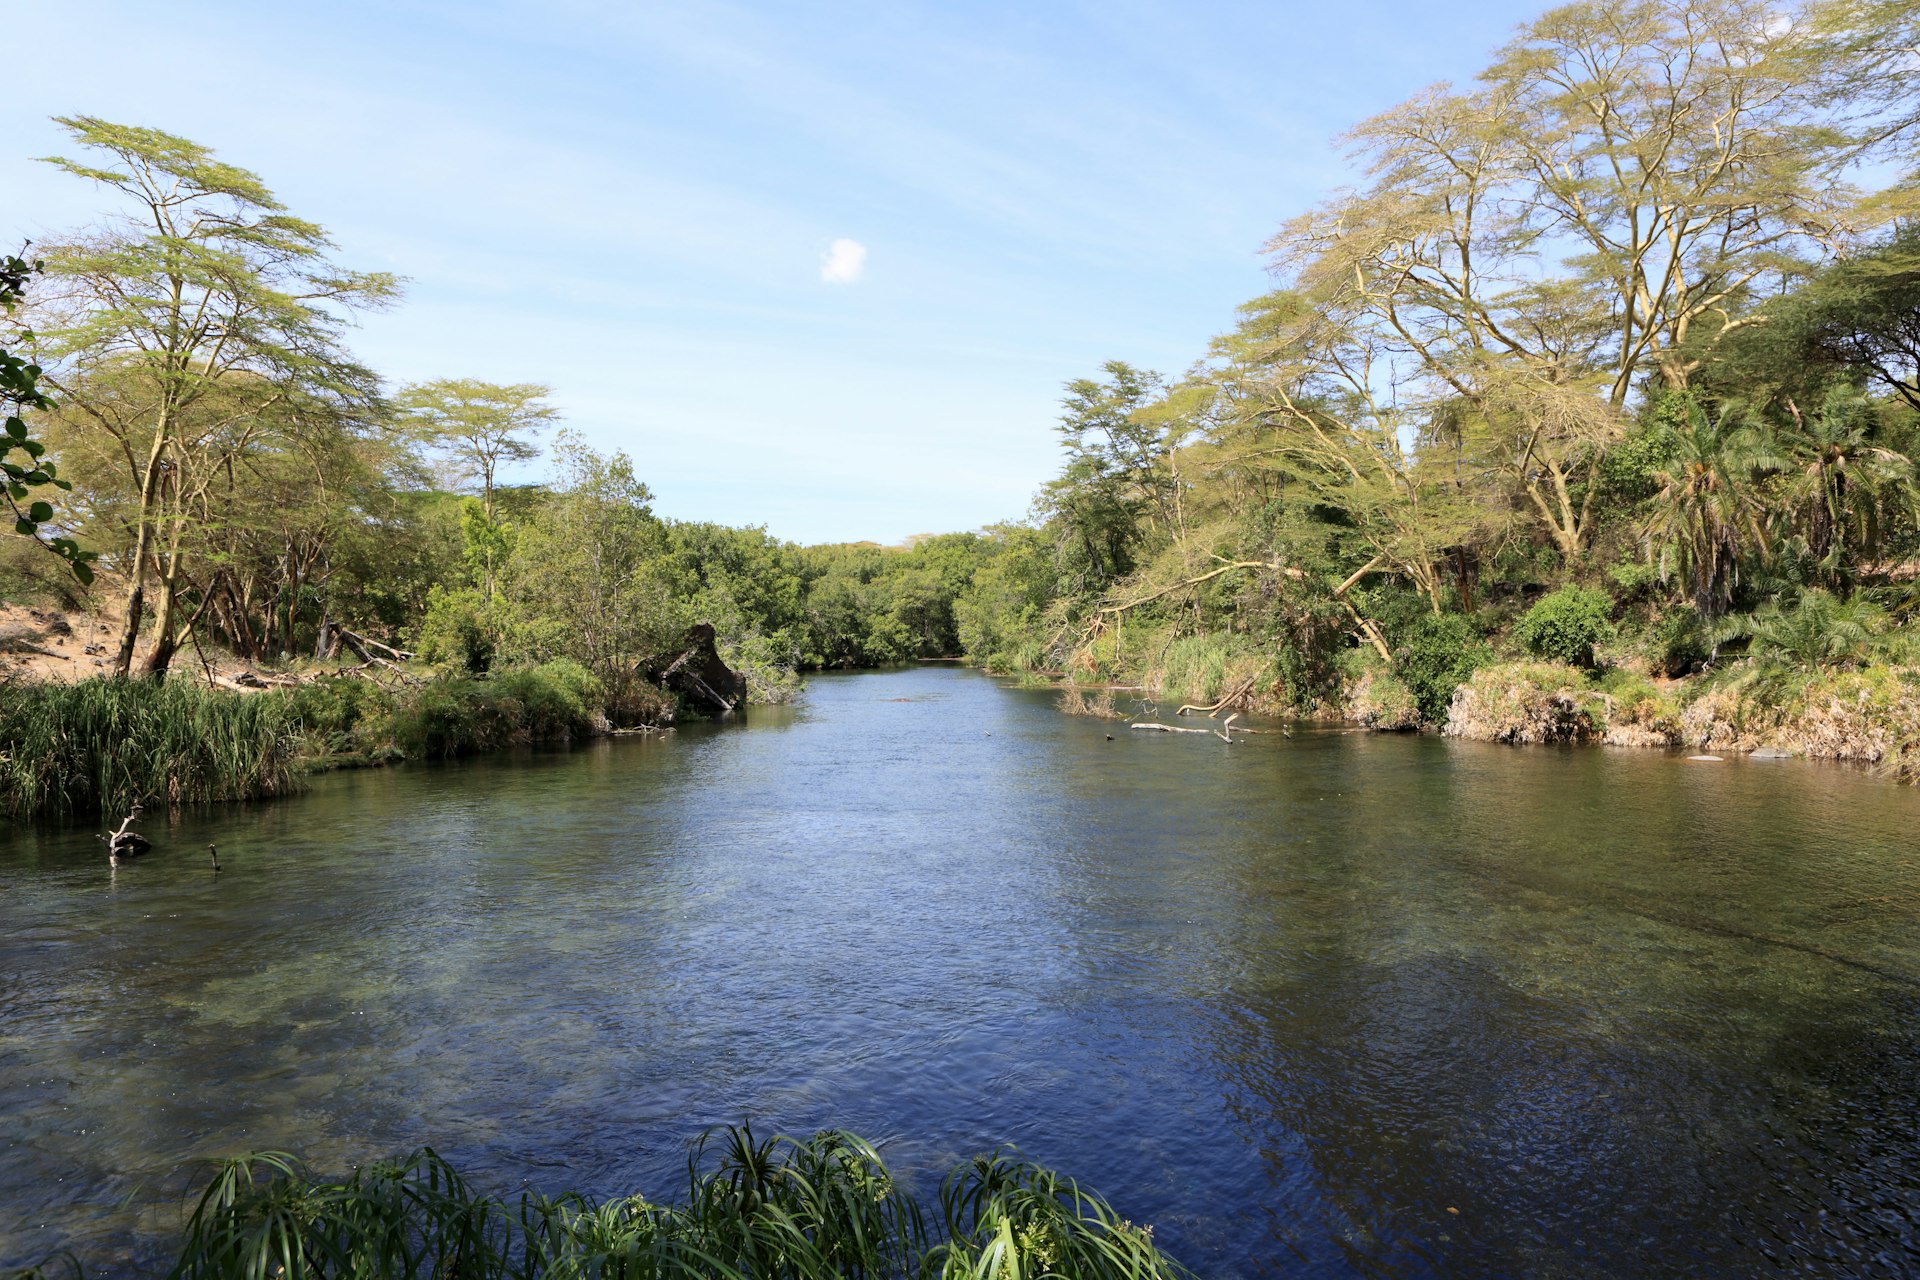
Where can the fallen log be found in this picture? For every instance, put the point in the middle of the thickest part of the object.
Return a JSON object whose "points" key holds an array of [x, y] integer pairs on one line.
{"points": [[360, 644]]}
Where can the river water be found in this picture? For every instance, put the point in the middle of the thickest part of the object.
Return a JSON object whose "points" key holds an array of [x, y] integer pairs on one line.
{"points": [[1330, 1005]]}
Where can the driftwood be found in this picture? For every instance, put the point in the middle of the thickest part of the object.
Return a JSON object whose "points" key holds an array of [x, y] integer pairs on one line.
{"points": [[125, 842], [374, 654], [1224, 732], [360, 644]]}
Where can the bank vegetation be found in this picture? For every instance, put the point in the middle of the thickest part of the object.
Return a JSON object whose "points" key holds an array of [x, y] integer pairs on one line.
{"points": [[1588, 410]]}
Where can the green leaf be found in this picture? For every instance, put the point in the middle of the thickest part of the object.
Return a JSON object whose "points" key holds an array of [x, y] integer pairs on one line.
{"points": [[25, 528], [83, 571], [40, 511], [33, 447], [65, 486], [16, 428]]}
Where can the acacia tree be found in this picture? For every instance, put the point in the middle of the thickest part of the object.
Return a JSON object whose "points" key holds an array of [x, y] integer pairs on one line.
{"points": [[481, 426], [179, 329], [1629, 177], [1118, 488]]}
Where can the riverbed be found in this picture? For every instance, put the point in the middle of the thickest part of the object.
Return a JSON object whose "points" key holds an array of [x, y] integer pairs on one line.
{"points": [[1334, 1004]]}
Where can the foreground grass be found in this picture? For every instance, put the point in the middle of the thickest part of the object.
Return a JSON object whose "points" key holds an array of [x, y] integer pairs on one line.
{"points": [[759, 1210]]}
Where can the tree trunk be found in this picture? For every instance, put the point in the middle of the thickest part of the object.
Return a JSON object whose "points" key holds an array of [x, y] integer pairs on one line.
{"points": [[142, 545]]}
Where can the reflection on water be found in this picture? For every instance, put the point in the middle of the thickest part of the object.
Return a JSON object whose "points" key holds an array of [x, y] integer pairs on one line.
{"points": [[1331, 1005]]}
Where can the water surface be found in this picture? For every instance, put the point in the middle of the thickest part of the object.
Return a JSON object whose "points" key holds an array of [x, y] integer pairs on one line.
{"points": [[1329, 1005]]}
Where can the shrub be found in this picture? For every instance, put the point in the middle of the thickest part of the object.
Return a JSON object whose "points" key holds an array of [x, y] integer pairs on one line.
{"points": [[1307, 646], [344, 717], [557, 699], [455, 630], [457, 716], [1437, 654], [1677, 641], [1565, 625]]}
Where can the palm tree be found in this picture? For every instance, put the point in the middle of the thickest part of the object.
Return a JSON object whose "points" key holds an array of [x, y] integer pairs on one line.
{"points": [[1843, 491], [1709, 513], [1819, 631]]}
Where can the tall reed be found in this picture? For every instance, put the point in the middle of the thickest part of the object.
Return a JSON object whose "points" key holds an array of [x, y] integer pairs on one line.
{"points": [[110, 743], [780, 1209]]}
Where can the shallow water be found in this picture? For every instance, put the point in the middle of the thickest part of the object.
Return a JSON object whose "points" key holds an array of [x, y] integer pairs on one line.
{"points": [[1334, 1005]]}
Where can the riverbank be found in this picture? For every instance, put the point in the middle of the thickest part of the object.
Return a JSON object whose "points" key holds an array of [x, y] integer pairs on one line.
{"points": [[105, 745], [1868, 715]]}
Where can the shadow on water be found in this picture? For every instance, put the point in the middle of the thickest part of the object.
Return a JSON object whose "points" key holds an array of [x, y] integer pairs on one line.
{"points": [[1331, 1005]]}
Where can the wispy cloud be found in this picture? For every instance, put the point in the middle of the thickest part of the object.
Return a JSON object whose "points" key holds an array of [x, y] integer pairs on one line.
{"points": [[844, 261]]}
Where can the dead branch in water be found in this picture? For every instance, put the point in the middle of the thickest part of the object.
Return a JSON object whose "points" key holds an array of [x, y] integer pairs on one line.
{"points": [[125, 842]]}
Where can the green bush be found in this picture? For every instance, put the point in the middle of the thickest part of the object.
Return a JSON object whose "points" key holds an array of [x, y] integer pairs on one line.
{"points": [[1437, 654], [344, 717], [1565, 625], [557, 699], [1307, 642], [455, 631], [1677, 641], [457, 716]]}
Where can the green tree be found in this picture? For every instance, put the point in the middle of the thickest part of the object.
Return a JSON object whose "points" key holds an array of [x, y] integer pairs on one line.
{"points": [[588, 578], [1710, 512], [180, 326], [481, 426], [30, 468], [1116, 490]]}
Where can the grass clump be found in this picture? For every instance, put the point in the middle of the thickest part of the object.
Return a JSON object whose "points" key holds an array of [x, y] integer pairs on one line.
{"points": [[754, 1210], [112, 743]]}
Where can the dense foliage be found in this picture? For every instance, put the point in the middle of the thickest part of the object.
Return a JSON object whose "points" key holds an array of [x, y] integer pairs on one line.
{"points": [[1601, 360]]}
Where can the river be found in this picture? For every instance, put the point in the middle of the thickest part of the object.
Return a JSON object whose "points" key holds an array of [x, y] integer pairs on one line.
{"points": [[1337, 1004]]}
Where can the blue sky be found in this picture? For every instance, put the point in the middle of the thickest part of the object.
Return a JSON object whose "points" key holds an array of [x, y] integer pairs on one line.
{"points": [[822, 267]]}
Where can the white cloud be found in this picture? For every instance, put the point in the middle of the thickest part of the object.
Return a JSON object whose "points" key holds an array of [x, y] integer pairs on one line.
{"points": [[843, 262]]}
